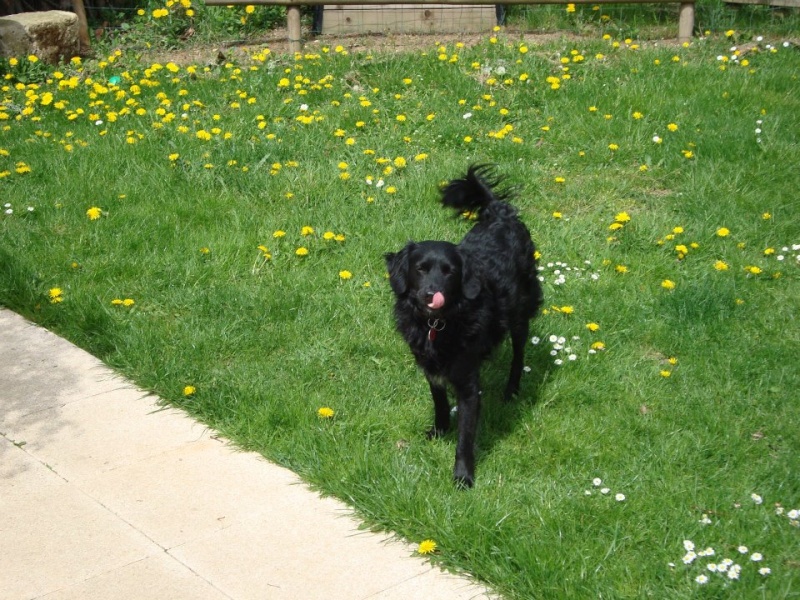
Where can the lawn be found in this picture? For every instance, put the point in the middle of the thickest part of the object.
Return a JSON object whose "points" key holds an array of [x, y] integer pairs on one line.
{"points": [[216, 233]]}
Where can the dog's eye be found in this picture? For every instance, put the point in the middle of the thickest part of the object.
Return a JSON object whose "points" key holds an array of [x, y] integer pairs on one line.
{"points": [[422, 269]]}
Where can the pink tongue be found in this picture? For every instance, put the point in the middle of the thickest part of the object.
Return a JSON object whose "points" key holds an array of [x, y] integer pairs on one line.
{"points": [[437, 301]]}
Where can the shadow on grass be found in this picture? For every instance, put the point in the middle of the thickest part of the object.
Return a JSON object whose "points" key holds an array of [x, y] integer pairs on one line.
{"points": [[500, 419]]}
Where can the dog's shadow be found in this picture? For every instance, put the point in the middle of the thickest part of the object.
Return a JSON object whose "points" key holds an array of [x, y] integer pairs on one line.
{"points": [[499, 418]]}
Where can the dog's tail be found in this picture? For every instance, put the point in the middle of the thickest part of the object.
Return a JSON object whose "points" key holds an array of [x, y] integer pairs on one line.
{"points": [[478, 191]]}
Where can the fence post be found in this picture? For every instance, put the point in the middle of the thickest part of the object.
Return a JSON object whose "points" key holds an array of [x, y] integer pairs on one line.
{"points": [[686, 21], [293, 25]]}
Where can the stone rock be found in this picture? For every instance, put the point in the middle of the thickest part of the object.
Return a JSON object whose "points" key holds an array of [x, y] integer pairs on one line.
{"points": [[50, 35]]}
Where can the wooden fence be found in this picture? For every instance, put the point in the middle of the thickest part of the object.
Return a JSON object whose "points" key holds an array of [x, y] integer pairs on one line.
{"points": [[685, 18]]}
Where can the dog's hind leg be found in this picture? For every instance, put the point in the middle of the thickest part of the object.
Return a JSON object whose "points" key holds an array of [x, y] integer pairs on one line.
{"points": [[441, 409], [519, 337]]}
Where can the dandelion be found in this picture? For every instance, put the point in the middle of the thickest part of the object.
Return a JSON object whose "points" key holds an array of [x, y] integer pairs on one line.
{"points": [[56, 295], [752, 270], [189, 390], [325, 413], [306, 231], [668, 284], [723, 232], [672, 127], [345, 275], [94, 213], [613, 147], [279, 233], [721, 265], [592, 327], [622, 217], [301, 251], [426, 547], [622, 269]]}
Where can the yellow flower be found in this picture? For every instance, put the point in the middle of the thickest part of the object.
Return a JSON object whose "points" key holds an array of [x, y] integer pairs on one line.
{"points": [[723, 232], [667, 284], [672, 127], [557, 215], [301, 251], [420, 157], [427, 547], [721, 265], [753, 270], [345, 275], [56, 295], [567, 310], [399, 162], [592, 327], [94, 213], [622, 217], [325, 413], [622, 269], [665, 373], [613, 147], [306, 230], [598, 346], [128, 302], [189, 390], [278, 233]]}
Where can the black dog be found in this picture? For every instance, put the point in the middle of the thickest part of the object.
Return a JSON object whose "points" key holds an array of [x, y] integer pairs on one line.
{"points": [[455, 303]]}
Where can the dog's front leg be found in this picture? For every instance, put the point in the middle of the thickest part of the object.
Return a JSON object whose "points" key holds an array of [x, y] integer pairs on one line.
{"points": [[441, 409], [469, 408]]}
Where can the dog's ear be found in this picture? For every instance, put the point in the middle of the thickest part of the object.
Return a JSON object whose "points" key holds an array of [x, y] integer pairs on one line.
{"points": [[470, 284], [397, 263]]}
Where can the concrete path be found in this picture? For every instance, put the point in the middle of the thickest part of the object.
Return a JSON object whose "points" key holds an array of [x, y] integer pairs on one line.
{"points": [[105, 495]]}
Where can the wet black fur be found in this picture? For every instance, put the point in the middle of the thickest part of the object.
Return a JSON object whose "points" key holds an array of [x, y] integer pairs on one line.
{"points": [[490, 287]]}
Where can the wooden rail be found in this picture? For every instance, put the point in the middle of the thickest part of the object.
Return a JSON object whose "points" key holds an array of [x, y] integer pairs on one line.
{"points": [[685, 19]]}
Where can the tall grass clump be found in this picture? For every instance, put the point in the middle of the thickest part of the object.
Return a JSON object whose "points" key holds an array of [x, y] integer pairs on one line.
{"points": [[216, 233]]}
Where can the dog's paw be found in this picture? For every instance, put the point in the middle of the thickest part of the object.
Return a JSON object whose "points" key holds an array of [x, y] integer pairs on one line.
{"points": [[434, 433], [464, 482], [463, 476]]}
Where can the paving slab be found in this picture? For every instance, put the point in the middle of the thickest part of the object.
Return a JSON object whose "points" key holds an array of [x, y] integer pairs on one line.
{"points": [[106, 494]]}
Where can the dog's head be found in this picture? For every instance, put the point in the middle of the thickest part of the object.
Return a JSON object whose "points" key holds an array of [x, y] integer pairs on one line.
{"points": [[433, 275]]}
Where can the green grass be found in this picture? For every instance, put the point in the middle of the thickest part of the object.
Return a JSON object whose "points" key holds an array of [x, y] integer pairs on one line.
{"points": [[267, 342]]}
